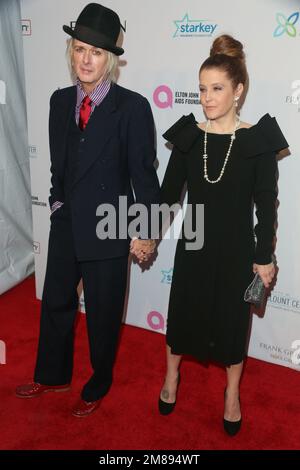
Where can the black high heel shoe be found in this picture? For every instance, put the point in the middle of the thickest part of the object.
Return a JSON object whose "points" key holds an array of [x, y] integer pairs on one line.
{"points": [[167, 408], [231, 427]]}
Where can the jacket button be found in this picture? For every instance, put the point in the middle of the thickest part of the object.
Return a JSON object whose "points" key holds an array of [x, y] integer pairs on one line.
{"points": [[102, 186], [82, 139]]}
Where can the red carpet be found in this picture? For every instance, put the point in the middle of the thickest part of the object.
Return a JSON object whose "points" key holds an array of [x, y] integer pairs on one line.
{"points": [[128, 416]]}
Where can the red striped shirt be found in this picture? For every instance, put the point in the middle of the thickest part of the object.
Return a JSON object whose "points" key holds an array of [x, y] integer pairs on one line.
{"points": [[97, 96]]}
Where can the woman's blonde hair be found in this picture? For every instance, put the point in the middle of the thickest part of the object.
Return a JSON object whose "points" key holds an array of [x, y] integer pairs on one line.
{"points": [[111, 66]]}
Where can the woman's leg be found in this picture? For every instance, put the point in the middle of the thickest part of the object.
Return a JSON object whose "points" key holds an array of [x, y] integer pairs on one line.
{"points": [[232, 411], [168, 392]]}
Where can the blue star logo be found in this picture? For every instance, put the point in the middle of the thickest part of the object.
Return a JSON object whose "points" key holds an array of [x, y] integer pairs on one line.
{"points": [[167, 276], [188, 27], [178, 24]]}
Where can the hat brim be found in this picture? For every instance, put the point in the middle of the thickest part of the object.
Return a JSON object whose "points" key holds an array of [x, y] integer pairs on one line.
{"points": [[89, 36]]}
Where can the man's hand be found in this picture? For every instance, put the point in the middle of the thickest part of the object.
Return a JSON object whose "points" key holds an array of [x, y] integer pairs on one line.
{"points": [[142, 249]]}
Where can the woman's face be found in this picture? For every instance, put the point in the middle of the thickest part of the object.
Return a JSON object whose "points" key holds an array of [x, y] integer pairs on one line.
{"points": [[217, 95]]}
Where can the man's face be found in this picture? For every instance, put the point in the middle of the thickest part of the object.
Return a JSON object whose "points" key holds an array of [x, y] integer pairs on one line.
{"points": [[89, 64]]}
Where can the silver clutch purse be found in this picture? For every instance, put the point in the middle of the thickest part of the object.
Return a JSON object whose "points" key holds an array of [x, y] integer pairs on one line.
{"points": [[255, 292]]}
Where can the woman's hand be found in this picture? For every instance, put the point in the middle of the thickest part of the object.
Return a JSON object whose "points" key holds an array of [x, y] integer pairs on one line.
{"points": [[266, 272]]}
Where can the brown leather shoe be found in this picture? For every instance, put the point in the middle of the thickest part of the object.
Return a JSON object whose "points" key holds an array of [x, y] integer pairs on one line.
{"points": [[35, 389], [84, 408]]}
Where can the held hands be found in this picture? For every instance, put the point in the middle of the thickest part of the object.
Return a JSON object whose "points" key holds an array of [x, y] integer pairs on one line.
{"points": [[266, 272], [142, 249]]}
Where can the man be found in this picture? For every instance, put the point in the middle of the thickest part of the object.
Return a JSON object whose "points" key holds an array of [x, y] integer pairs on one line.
{"points": [[101, 145]]}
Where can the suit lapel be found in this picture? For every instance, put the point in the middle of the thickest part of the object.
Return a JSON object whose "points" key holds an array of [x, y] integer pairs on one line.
{"points": [[100, 128]]}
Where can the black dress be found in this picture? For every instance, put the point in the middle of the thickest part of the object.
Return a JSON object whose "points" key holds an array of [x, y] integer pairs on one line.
{"points": [[207, 316]]}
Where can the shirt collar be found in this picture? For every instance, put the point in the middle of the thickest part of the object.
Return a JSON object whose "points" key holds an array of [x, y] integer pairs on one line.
{"points": [[97, 95]]}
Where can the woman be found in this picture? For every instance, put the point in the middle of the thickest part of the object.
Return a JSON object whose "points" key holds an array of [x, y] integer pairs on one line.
{"points": [[228, 165]]}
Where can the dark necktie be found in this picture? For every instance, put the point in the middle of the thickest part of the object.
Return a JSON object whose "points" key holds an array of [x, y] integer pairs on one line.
{"points": [[85, 112]]}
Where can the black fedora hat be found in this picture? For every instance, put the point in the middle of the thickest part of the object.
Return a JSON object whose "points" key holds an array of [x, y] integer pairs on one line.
{"points": [[98, 26]]}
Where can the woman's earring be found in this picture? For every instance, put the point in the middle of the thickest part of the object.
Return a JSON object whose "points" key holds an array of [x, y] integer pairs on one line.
{"points": [[236, 101]]}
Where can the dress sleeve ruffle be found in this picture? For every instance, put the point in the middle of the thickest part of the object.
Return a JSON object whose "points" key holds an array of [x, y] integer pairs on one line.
{"points": [[183, 133], [264, 137]]}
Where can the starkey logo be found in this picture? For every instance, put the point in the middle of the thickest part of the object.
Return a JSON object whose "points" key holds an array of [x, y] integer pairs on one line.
{"points": [[286, 25], [193, 28]]}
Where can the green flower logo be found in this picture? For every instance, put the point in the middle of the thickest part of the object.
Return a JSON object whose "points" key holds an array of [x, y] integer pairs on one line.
{"points": [[286, 25]]}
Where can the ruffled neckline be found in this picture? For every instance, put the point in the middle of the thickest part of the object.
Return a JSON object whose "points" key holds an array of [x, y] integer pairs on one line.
{"points": [[264, 136]]}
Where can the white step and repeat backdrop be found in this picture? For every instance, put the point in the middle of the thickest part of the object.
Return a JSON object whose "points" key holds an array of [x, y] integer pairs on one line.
{"points": [[165, 43]]}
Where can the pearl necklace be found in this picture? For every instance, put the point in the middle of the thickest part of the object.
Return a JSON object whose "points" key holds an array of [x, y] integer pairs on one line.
{"points": [[205, 156]]}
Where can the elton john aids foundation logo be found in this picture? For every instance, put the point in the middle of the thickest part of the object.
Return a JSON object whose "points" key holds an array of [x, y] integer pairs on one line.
{"points": [[163, 97], [286, 25], [156, 321]]}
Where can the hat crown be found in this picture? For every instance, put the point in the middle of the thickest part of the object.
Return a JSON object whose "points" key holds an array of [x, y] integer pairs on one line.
{"points": [[100, 19], [98, 26]]}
